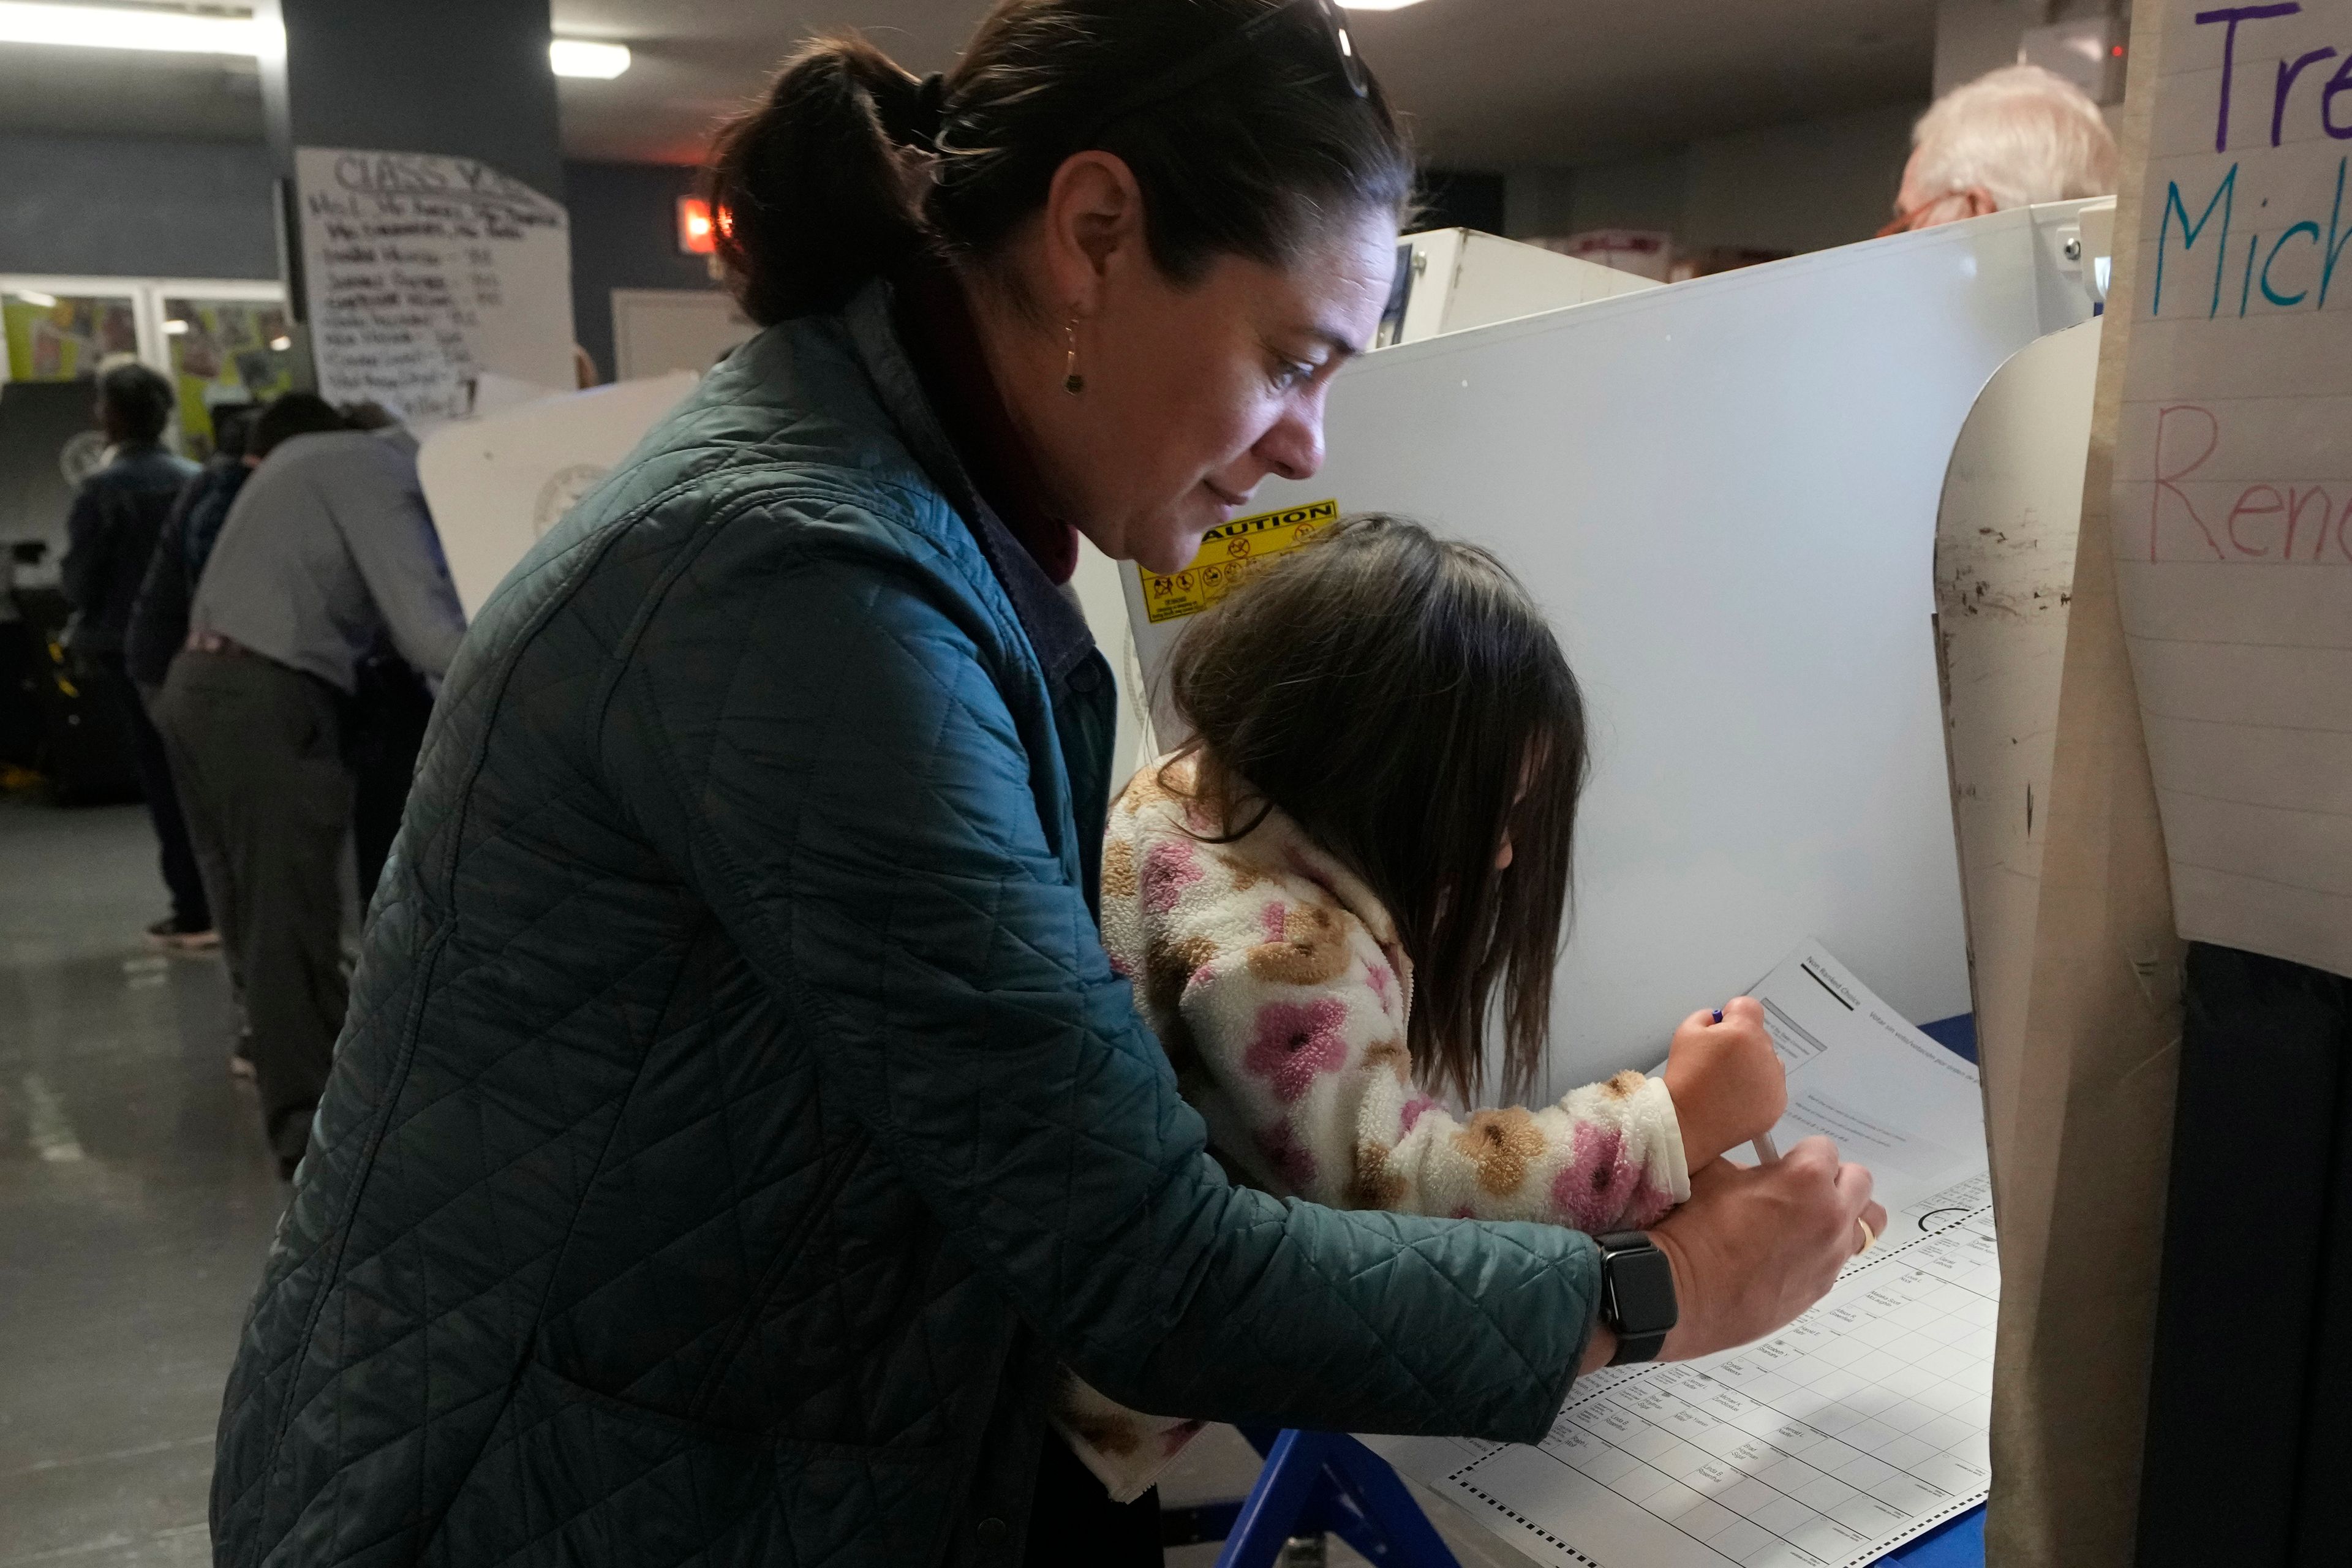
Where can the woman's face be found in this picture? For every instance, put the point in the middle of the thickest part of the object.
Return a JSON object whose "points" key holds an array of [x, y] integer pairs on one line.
{"points": [[1192, 394]]}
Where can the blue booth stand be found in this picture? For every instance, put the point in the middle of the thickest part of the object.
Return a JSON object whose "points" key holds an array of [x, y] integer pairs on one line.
{"points": [[1326, 1483]]}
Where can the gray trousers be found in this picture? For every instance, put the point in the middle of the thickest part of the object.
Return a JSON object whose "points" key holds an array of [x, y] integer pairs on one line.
{"points": [[258, 749]]}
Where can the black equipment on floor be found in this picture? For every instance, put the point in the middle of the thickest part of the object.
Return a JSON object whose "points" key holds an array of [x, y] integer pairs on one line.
{"points": [[82, 744]]}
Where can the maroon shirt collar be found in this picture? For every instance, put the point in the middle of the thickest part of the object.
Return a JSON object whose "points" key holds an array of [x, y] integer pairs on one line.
{"points": [[936, 328]]}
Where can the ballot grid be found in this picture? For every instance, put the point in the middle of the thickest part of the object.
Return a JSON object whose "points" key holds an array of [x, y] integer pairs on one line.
{"points": [[1860, 1426]]}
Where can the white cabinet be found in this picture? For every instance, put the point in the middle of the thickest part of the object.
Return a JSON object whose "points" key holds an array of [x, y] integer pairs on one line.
{"points": [[656, 331]]}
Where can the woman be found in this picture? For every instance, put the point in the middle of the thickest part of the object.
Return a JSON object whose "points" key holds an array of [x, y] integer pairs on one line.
{"points": [[737, 1119]]}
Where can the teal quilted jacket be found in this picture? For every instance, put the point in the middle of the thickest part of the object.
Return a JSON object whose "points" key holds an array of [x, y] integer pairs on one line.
{"points": [[737, 1119]]}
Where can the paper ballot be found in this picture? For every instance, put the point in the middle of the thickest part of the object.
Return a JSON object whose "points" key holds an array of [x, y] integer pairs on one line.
{"points": [[1856, 1428], [1888, 1095], [2233, 478]]}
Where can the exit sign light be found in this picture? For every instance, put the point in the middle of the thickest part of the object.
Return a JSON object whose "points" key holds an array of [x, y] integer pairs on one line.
{"points": [[697, 235]]}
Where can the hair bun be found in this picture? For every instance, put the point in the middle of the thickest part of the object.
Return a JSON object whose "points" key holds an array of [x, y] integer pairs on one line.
{"points": [[810, 181]]}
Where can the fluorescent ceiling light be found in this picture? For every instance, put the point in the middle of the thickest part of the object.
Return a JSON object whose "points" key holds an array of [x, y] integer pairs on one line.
{"points": [[175, 327], [123, 27], [1378, 5], [577, 56], [188, 33]]}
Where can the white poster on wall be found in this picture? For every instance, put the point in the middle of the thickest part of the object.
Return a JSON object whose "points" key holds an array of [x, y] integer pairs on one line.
{"points": [[423, 273], [2234, 476]]}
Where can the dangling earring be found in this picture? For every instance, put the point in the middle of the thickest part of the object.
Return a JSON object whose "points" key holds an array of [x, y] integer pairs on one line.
{"points": [[1072, 381]]}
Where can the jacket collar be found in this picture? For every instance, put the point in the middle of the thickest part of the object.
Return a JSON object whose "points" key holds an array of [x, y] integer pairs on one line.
{"points": [[1050, 616], [942, 341]]}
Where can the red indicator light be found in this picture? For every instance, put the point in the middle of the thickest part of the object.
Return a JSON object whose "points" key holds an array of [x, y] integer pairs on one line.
{"points": [[697, 235]]}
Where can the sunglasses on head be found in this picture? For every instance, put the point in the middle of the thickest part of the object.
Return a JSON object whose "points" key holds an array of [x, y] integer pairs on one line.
{"points": [[1343, 44], [1182, 78]]}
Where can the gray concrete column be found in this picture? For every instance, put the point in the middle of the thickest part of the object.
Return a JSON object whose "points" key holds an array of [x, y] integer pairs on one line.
{"points": [[465, 79]]}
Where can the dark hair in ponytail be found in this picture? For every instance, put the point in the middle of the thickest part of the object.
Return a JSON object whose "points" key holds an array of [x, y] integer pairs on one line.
{"points": [[853, 166], [813, 195]]}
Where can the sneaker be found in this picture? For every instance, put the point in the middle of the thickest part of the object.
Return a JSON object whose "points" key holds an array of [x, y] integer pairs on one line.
{"points": [[171, 935]]}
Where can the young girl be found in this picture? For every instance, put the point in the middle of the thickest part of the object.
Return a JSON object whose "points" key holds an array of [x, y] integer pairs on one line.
{"points": [[1321, 896]]}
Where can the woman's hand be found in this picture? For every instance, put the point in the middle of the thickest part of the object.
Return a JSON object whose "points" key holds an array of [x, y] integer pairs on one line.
{"points": [[1726, 1079], [1753, 1248]]}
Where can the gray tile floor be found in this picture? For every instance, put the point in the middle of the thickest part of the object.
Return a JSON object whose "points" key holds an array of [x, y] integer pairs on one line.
{"points": [[136, 1202]]}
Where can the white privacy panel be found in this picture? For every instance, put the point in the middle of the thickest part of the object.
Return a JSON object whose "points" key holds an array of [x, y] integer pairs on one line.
{"points": [[496, 482], [2013, 506], [1461, 279], [1724, 492]]}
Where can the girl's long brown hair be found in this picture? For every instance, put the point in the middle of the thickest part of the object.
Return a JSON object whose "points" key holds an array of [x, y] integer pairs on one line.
{"points": [[1396, 693]]}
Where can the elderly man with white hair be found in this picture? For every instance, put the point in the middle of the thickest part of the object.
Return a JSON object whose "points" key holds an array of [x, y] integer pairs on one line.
{"points": [[2013, 136]]}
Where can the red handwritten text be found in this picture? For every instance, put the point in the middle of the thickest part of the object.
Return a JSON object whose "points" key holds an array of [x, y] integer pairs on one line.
{"points": [[2282, 524]]}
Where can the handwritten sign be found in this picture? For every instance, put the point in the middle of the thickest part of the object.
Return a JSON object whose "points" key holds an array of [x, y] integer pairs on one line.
{"points": [[424, 273], [2234, 474]]}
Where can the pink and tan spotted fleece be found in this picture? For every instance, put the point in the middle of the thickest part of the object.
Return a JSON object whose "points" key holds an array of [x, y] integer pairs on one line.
{"points": [[1276, 982]]}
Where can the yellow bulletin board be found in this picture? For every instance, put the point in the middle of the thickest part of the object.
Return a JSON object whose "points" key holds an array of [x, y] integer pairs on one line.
{"points": [[222, 341], [1228, 555], [224, 351], [55, 337]]}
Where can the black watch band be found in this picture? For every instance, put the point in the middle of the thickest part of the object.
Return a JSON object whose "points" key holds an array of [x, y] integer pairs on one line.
{"points": [[1637, 1294]]}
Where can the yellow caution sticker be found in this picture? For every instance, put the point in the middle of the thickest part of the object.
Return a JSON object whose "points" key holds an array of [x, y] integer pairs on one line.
{"points": [[1228, 555]]}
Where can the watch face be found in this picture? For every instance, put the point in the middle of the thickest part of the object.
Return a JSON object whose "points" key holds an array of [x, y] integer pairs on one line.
{"points": [[1643, 1285]]}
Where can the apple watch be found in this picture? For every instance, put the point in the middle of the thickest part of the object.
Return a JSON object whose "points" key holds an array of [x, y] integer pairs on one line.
{"points": [[1637, 1294]]}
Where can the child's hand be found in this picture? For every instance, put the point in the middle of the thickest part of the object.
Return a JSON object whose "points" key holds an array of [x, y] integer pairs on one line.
{"points": [[1726, 1081]]}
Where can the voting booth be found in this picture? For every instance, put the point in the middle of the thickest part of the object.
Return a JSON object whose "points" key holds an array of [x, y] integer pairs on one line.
{"points": [[496, 482], [1724, 492], [1727, 495]]}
